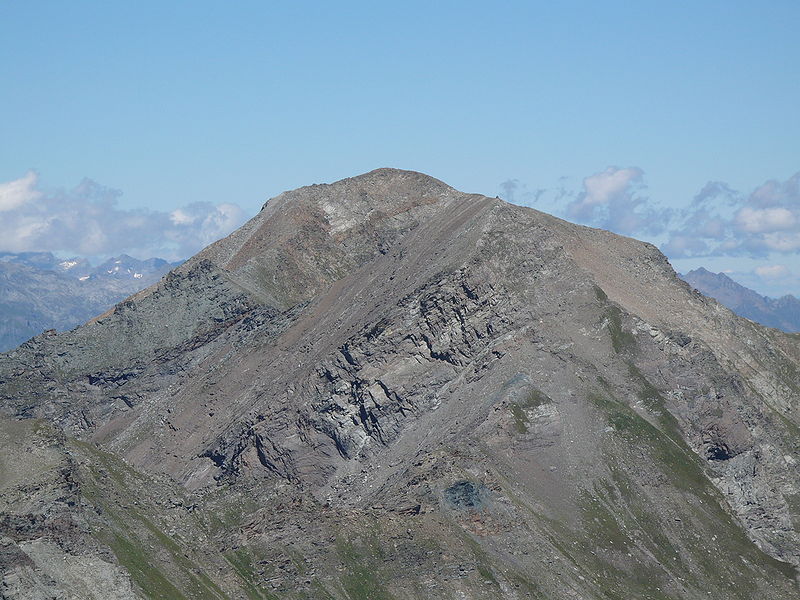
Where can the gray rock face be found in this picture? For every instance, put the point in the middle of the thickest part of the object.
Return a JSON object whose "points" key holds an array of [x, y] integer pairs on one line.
{"points": [[46, 546], [386, 388]]}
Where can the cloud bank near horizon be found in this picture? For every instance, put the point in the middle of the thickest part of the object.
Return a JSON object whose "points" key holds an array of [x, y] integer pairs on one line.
{"points": [[88, 221]]}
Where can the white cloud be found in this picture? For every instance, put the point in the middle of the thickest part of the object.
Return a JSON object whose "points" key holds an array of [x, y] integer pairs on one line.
{"points": [[684, 245], [780, 242], [763, 220], [179, 217], [88, 221], [726, 223], [772, 271], [602, 189], [613, 199], [16, 193], [204, 222]]}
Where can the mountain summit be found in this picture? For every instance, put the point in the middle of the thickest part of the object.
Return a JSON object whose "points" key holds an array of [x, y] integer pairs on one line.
{"points": [[386, 388]]}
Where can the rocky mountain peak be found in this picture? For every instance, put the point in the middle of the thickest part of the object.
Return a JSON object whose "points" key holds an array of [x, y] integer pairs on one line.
{"points": [[320, 232], [368, 199], [386, 388]]}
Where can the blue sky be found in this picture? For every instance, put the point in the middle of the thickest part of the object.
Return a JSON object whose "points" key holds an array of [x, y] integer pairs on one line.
{"points": [[181, 118]]}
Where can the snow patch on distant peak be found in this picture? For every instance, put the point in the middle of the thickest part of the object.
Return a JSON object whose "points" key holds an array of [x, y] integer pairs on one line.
{"points": [[68, 264]]}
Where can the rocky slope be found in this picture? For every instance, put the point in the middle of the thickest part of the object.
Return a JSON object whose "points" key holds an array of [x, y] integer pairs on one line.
{"points": [[39, 291], [782, 313], [386, 388]]}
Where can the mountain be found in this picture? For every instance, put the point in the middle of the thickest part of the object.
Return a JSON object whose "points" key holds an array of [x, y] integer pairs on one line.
{"points": [[387, 388], [781, 313], [39, 292], [126, 267]]}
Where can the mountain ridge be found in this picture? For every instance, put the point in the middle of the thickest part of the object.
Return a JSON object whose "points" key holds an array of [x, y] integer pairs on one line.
{"points": [[781, 313], [396, 389]]}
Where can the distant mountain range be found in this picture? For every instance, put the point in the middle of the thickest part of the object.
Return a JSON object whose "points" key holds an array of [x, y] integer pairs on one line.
{"points": [[39, 291], [781, 313]]}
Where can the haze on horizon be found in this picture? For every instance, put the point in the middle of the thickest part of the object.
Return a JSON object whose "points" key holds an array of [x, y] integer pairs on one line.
{"points": [[155, 129]]}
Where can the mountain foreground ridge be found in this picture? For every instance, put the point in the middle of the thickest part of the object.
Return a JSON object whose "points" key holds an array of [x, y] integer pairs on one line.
{"points": [[387, 388]]}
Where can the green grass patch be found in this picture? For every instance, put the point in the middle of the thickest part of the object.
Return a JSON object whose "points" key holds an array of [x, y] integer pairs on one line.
{"points": [[231, 514], [622, 340], [677, 461], [319, 592], [362, 563], [242, 562], [655, 403], [485, 571], [600, 294], [520, 418], [530, 589], [483, 562], [297, 560], [134, 558], [534, 399], [687, 474], [157, 562], [600, 523]]}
